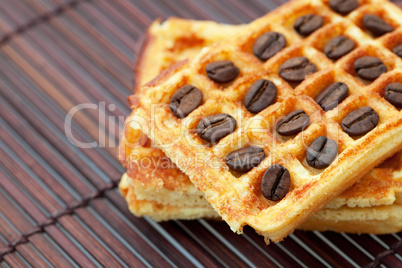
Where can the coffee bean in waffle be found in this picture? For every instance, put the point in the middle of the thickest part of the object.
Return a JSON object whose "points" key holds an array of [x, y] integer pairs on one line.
{"points": [[274, 202]]}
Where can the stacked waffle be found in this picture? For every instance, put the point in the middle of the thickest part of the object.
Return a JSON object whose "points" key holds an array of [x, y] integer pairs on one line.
{"points": [[277, 124]]}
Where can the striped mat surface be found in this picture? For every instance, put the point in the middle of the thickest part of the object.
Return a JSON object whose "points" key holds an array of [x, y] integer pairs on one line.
{"points": [[59, 205]]}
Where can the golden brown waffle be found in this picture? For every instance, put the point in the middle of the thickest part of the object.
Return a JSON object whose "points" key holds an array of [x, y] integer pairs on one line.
{"points": [[376, 220], [165, 45], [162, 192], [243, 205], [155, 177], [163, 204]]}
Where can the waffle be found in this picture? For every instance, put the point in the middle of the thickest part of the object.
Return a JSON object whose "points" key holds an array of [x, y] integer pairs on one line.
{"points": [[149, 192], [238, 200], [386, 180], [155, 177], [169, 45], [375, 220]]}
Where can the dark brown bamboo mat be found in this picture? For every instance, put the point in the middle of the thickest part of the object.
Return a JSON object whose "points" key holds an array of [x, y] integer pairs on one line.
{"points": [[59, 205]]}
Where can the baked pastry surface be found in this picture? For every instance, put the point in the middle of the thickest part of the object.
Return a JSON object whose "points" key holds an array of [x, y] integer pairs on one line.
{"points": [[361, 95]]}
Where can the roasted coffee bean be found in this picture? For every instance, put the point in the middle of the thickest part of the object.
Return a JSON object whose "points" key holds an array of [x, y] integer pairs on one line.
{"points": [[296, 69], [332, 95], [343, 7], [398, 50], [268, 44], [376, 25], [245, 159], [321, 152], [223, 71], [293, 123], [307, 24], [393, 94], [215, 127], [370, 68], [338, 47], [360, 122], [185, 100], [260, 95], [275, 183]]}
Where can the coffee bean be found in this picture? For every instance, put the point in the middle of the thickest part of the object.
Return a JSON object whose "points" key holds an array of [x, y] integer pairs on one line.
{"points": [[393, 94], [268, 44], [260, 95], [370, 68], [185, 100], [275, 183], [307, 24], [215, 127], [376, 25], [293, 123], [398, 50], [245, 159], [343, 7], [223, 71], [321, 152], [360, 122], [296, 69], [338, 47], [332, 95]]}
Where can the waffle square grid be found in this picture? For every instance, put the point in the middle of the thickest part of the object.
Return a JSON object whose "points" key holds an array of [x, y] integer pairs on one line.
{"points": [[237, 198]]}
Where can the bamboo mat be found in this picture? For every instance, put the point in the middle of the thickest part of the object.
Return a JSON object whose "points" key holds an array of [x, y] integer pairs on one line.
{"points": [[59, 206]]}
